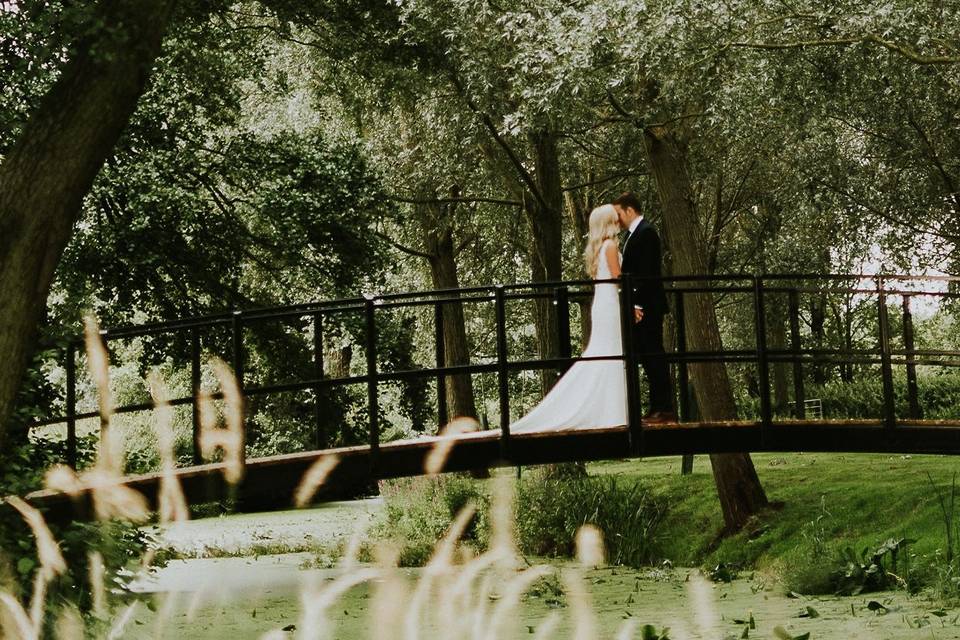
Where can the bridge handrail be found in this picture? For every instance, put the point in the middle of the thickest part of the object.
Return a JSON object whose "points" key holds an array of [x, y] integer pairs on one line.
{"points": [[759, 287]]}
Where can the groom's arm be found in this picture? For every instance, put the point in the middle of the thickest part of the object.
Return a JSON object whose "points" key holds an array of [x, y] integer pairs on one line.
{"points": [[648, 256], [633, 266]]}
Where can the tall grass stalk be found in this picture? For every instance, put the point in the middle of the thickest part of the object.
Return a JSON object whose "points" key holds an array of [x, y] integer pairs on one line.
{"points": [[436, 459], [173, 504], [948, 511]]}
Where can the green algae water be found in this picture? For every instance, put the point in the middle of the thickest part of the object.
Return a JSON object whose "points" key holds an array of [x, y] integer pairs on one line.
{"points": [[247, 596]]}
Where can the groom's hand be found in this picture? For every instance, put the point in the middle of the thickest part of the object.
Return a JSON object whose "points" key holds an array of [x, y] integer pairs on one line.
{"points": [[637, 314]]}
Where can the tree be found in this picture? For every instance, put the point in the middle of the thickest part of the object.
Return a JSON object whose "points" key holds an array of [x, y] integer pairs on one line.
{"points": [[54, 160]]}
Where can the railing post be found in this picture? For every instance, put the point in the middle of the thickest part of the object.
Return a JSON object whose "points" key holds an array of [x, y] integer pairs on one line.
{"points": [[237, 327], [799, 396], [763, 363], [105, 448], [561, 299], [443, 416], [502, 372], [320, 435], [683, 372], [912, 394], [886, 366], [634, 419], [237, 332], [195, 392], [72, 404], [373, 403]]}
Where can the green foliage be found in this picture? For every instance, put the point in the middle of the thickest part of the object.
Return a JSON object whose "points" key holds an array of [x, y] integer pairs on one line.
{"points": [[22, 467], [119, 543], [869, 570], [938, 396], [649, 632], [550, 508], [722, 573], [419, 511]]}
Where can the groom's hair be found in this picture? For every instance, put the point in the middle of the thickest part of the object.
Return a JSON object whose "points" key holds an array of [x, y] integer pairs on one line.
{"points": [[629, 199]]}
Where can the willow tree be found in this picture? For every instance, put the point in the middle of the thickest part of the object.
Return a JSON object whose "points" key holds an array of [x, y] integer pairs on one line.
{"points": [[55, 157]]}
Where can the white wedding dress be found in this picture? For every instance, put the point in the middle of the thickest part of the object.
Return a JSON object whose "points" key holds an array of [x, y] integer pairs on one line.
{"points": [[593, 393]]}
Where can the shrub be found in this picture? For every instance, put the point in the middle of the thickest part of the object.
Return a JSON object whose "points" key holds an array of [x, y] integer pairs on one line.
{"points": [[550, 507], [119, 543], [418, 512], [842, 571]]}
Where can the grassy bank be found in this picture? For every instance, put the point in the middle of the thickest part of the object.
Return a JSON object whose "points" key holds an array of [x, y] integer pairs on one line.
{"points": [[859, 499], [823, 503]]}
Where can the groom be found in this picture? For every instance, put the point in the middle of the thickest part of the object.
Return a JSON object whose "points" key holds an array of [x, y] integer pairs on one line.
{"points": [[641, 257]]}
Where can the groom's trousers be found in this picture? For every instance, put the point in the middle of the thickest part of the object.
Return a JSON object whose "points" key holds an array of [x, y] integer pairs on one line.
{"points": [[648, 347]]}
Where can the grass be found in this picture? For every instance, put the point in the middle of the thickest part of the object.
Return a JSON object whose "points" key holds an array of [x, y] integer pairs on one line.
{"points": [[859, 499], [823, 504]]}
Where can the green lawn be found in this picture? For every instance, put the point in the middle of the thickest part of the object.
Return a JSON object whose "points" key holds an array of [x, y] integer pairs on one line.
{"points": [[864, 499]]}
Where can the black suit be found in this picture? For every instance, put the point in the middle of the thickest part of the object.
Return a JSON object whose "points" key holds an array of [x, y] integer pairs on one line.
{"points": [[641, 258]]}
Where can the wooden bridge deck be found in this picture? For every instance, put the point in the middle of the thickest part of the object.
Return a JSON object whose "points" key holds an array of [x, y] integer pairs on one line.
{"points": [[269, 482]]}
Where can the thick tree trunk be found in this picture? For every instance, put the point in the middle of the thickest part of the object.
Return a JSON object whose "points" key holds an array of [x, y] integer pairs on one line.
{"points": [[443, 270], [50, 168], [546, 242], [738, 487]]}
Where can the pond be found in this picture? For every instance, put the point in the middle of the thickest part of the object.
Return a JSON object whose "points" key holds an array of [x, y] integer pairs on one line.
{"points": [[246, 596]]}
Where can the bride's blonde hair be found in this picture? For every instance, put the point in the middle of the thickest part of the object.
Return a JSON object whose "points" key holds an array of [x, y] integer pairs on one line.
{"points": [[604, 225]]}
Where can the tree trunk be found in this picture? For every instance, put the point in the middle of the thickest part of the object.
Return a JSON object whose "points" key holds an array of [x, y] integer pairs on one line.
{"points": [[738, 487], [53, 163], [579, 213], [456, 349], [818, 318], [777, 321], [546, 243]]}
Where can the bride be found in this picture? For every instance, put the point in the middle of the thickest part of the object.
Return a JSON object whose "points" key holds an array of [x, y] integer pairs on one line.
{"points": [[592, 393]]}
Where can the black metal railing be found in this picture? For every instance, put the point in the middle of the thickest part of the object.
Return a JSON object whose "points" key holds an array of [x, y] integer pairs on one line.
{"points": [[756, 291]]}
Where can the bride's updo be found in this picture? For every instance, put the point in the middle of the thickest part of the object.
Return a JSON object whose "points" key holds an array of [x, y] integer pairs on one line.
{"points": [[604, 225]]}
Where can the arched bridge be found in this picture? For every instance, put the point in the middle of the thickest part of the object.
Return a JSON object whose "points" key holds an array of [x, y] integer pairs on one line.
{"points": [[889, 301]]}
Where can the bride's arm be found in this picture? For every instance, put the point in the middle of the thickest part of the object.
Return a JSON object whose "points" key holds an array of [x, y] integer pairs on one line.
{"points": [[612, 257]]}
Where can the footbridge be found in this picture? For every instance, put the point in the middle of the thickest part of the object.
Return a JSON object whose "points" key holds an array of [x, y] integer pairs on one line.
{"points": [[772, 326]]}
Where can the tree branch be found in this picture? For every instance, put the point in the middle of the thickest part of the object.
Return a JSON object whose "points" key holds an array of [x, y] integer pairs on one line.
{"points": [[525, 176], [610, 178], [910, 54], [404, 249], [466, 242], [465, 199]]}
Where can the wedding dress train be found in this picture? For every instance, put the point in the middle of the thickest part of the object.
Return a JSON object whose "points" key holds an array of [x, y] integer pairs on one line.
{"points": [[592, 393]]}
